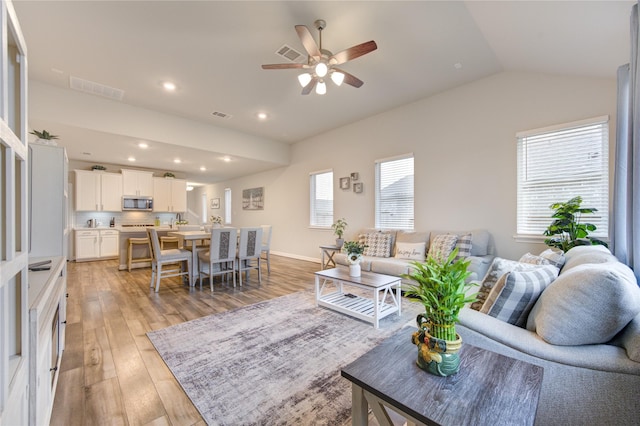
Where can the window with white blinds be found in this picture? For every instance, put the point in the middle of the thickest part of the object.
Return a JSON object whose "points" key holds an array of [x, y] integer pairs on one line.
{"points": [[227, 206], [321, 190], [394, 193], [558, 163]]}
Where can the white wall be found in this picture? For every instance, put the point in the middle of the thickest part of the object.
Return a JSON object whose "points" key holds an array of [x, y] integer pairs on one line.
{"points": [[464, 145]]}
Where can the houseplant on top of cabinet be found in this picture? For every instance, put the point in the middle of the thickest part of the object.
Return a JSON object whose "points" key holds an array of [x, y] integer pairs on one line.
{"points": [[440, 284], [44, 137]]}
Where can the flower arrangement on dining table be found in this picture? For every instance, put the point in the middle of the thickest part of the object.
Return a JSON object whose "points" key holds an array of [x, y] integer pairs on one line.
{"points": [[354, 251], [216, 220]]}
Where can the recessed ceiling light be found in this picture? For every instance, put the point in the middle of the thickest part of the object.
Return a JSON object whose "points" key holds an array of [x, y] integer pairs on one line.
{"points": [[143, 145], [189, 188], [169, 86], [457, 65], [86, 153], [132, 159], [226, 158], [203, 168], [262, 115], [177, 160]]}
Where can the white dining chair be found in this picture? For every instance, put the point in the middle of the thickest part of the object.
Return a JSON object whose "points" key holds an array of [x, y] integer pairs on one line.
{"points": [[169, 256], [249, 252], [266, 245], [221, 253]]}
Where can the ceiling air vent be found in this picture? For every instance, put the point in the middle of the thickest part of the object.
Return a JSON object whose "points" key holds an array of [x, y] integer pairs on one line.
{"points": [[94, 88], [291, 54], [219, 114]]}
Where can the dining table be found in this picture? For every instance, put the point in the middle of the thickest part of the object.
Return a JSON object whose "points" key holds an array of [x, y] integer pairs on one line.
{"points": [[191, 237]]}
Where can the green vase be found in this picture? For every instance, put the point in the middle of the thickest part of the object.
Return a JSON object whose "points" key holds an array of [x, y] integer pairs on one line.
{"points": [[437, 356]]}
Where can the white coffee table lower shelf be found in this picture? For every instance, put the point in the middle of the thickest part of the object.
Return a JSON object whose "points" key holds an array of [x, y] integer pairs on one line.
{"points": [[384, 300]]}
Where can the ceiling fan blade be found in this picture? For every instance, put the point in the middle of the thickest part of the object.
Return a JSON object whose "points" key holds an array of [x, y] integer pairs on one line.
{"points": [[309, 87], [353, 52], [350, 79], [283, 66], [308, 42]]}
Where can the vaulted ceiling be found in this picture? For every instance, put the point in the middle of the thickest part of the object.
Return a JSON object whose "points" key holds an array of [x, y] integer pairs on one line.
{"points": [[213, 51]]}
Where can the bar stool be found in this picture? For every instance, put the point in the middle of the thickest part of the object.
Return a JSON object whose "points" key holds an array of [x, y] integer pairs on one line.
{"points": [[139, 241], [169, 240]]}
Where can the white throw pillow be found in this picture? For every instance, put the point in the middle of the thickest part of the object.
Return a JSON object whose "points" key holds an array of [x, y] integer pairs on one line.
{"points": [[411, 251]]}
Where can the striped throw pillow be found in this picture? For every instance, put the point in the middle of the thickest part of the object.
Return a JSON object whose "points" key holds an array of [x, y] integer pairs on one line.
{"points": [[515, 293]]}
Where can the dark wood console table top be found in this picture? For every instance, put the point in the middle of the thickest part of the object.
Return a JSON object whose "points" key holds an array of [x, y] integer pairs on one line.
{"points": [[490, 389]]}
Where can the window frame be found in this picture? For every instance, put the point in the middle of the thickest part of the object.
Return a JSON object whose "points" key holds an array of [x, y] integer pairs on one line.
{"points": [[379, 223], [227, 206], [601, 163], [313, 198]]}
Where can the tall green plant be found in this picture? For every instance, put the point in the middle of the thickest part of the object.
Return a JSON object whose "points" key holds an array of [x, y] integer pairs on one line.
{"points": [[566, 231], [442, 288]]}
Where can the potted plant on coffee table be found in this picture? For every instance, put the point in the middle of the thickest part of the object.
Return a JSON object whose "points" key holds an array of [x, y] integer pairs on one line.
{"points": [[354, 252], [440, 285], [338, 228]]}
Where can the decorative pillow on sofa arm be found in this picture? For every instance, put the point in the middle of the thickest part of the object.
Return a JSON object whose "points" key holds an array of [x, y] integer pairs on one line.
{"points": [[515, 293]]}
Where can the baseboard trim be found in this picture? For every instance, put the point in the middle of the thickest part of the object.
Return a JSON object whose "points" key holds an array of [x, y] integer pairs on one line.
{"points": [[295, 256]]}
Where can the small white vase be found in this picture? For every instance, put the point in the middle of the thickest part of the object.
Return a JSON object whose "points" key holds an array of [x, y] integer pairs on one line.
{"points": [[354, 270]]}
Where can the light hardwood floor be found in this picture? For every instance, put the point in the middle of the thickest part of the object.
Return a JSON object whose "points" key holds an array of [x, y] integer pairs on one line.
{"points": [[110, 373]]}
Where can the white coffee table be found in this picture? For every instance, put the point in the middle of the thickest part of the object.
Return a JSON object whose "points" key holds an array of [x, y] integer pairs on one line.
{"points": [[384, 301]]}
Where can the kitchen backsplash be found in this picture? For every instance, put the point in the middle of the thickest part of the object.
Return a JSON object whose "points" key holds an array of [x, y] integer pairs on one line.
{"points": [[122, 218]]}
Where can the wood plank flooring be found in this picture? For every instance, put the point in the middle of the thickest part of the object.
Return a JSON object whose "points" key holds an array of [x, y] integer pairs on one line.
{"points": [[110, 373]]}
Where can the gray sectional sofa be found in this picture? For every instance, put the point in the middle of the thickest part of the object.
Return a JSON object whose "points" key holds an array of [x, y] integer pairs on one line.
{"points": [[392, 263], [584, 329]]}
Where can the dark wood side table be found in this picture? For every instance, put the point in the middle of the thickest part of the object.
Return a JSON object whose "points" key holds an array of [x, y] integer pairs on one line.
{"points": [[328, 252], [490, 389]]}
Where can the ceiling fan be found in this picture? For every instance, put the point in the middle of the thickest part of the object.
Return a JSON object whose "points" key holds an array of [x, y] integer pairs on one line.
{"points": [[321, 63]]}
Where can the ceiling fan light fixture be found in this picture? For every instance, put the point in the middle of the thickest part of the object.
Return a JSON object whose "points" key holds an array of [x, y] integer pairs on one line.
{"points": [[337, 78], [304, 79], [321, 69], [321, 88]]}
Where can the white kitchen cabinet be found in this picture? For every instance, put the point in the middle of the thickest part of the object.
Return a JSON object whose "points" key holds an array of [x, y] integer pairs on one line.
{"points": [[109, 243], [87, 245], [169, 195], [94, 244], [98, 191], [137, 183]]}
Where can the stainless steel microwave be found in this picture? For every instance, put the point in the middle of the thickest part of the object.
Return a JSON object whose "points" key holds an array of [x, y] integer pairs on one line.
{"points": [[137, 203]]}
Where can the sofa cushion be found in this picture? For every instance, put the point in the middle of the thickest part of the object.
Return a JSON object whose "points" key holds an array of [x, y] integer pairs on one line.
{"points": [[582, 255], [515, 293], [442, 245], [588, 304], [479, 240], [534, 260], [629, 339], [464, 246], [403, 236], [554, 256], [411, 251], [378, 244], [390, 266], [498, 268]]}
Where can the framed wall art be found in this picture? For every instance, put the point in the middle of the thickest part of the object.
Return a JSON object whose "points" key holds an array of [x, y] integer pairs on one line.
{"points": [[345, 183], [215, 203], [357, 187], [355, 176], [253, 199]]}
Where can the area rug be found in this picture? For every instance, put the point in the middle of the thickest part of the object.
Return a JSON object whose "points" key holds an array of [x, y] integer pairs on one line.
{"points": [[273, 363]]}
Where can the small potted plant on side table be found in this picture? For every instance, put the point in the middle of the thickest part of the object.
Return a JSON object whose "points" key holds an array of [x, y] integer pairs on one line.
{"points": [[338, 228], [354, 252], [441, 287]]}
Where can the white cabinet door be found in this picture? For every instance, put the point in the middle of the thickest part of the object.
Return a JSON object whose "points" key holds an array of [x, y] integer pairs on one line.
{"points": [[87, 190], [87, 245], [178, 195], [138, 183], [111, 191], [161, 194], [109, 243]]}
